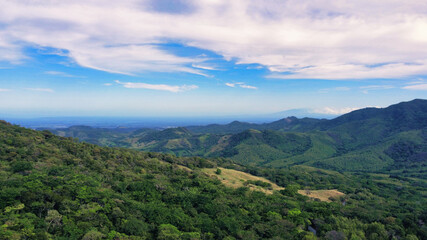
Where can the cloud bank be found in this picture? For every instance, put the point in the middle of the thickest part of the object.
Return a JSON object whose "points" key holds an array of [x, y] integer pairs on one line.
{"points": [[293, 39], [335, 111]]}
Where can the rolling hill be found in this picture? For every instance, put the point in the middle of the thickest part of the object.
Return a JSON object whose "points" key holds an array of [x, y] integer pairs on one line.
{"points": [[57, 188], [391, 140]]}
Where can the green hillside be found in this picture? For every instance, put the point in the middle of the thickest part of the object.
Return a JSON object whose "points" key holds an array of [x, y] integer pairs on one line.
{"points": [[385, 140], [285, 124], [56, 188]]}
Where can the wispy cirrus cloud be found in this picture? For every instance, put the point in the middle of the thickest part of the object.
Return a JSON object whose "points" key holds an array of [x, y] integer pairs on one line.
{"points": [[367, 89], [247, 86], [49, 90], [205, 67], [230, 84], [422, 86], [61, 74], [419, 84], [160, 87], [339, 89], [295, 39], [241, 85], [5, 90]]}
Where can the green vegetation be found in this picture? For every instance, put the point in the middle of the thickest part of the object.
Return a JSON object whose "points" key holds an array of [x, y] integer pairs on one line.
{"points": [[56, 188], [360, 176], [391, 141]]}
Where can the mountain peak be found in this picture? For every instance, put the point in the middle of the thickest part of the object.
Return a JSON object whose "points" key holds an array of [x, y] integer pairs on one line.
{"points": [[290, 119]]}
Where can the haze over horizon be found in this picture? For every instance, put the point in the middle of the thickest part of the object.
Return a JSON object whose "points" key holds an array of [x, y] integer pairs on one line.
{"points": [[186, 58]]}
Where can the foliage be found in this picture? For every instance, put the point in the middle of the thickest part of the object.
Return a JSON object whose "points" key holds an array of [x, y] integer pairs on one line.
{"points": [[57, 188], [390, 140]]}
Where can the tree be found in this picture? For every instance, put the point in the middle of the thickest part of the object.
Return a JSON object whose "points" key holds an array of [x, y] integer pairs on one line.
{"points": [[93, 235], [291, 190], [168, 232], [53, 219], [136, 227]]}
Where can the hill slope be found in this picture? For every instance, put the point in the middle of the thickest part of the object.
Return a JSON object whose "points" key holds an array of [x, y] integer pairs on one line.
{"points": [[390, 140], [56, 188]]}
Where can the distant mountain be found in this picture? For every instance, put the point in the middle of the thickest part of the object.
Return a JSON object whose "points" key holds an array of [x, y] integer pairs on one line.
{"points": [[111, 137], [285, 124], [399, 117], [233, 127], [301, 113], [392, 140]]}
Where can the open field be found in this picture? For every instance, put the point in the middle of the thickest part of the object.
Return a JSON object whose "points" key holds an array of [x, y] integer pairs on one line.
{"points": [[236, 179], [322, 195]]}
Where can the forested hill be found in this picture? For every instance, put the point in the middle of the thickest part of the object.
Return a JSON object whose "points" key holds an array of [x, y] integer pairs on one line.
{"points": [[388, 140], [285, 124], [402, 116], [56, 188]]}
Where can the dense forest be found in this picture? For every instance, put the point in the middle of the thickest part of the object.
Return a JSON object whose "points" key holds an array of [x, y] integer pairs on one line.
{"points": [[57, 188]]}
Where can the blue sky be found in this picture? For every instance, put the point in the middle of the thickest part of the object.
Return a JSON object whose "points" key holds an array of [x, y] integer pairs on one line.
{"points": [[209, 58]]}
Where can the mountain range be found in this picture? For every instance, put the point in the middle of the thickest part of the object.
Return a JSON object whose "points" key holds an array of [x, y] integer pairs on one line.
{"points": [[392, 139]]}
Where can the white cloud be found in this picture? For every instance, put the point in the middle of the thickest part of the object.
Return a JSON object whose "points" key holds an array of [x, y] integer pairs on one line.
{"points": [[161, 87], [352, 71], [416, 87], [240, 84], [40, 90], [107, 84], [205, 67], [247, 86], [255, 67], [61, 74], [339, 111], [335, 111], [366, 89], [294, 39], [9, 51], [4, 90]]}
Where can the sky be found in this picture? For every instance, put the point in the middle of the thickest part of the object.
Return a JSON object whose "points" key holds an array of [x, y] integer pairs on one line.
{"points": [[209, 57]]}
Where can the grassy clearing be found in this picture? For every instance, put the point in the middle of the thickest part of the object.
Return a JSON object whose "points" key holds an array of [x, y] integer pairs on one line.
{"points": [[322, 195], [183, 168], [236, 179]]}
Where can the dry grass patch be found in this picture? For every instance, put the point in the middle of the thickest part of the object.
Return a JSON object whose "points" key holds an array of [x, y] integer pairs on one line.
{"points": [[322, 195], [236, 179], [183, 168]]}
